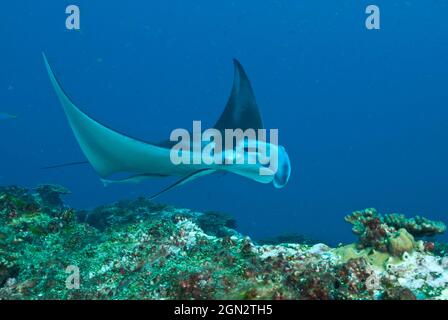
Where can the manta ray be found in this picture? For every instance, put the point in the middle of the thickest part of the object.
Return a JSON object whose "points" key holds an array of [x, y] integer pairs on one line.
{"points": [[110, 152]]}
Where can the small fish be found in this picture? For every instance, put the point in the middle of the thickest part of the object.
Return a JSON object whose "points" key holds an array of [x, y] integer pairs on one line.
{"points": [[6, 116]]}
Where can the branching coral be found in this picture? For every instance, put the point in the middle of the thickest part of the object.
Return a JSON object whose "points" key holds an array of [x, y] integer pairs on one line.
{"points": [[418, 226], [392, 233], [368, 225]]}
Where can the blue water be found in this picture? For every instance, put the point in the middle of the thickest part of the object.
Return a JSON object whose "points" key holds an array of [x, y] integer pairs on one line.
{"points": [[363, 114]]}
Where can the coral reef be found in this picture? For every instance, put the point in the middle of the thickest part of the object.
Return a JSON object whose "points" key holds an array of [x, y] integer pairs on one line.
{"points": [[400, 242], [392, 233], [142, 250], [418, 226], [216, 223], [288, 238], [121, 212], [440, 249], [50, 194]]}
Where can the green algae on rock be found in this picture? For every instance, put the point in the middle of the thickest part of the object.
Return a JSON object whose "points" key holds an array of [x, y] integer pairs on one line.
{"points": [[142, 250]]}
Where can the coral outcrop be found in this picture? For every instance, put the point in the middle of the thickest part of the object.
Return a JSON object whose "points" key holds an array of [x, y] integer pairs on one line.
{"points": [[392, 233], [142, 250]]}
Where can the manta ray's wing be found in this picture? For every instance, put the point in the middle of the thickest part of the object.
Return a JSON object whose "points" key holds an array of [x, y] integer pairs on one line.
{"points": [[241, 111], [109, 151]]}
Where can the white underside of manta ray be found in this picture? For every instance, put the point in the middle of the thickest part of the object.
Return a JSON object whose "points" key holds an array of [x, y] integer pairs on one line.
{"points": [[110, 152]]}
